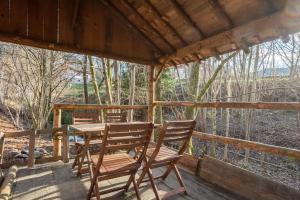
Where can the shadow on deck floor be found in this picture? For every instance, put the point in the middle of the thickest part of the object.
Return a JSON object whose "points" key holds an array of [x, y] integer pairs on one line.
{"points": [[58, 181]]}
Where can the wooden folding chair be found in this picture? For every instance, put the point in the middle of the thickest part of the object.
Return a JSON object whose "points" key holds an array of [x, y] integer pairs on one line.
{"points": [[119, 137], [83, 118], [157, 155], [116, 117]]}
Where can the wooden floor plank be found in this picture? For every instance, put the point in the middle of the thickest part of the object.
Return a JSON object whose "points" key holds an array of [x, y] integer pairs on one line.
{"points": [[58, 181]]}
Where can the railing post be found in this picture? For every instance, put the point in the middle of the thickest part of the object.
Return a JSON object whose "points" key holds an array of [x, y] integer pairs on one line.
{"points": [[1, 146], [31, 157], [65, 147], [57, 140], [151, 95]]}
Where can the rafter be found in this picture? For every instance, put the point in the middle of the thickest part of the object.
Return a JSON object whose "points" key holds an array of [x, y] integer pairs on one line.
{"points": [[271, 26], [132, 26], [178, 8], [154, 9], [145, 21], [221, 13], [75, 14]]}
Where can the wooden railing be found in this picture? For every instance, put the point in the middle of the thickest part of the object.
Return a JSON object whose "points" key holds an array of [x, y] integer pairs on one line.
{"points": [[237, 105], [257, 146], [57, 118], [240, 143], [33, 134]]}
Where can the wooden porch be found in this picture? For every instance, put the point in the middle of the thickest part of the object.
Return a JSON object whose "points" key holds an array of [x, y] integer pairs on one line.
{"points": [[58, 181]]}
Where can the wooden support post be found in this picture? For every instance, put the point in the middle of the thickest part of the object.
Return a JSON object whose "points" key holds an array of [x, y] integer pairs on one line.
{"points": [[57, 140], [65, 148], [31, 157], [151, 95]]}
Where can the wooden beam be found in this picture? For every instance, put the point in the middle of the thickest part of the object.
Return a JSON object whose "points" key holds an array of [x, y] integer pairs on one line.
{"points": [[132, 26], [267, 28], [178, 8], [275, 150], [234, 105], [220, 12], [154, 9], [158, 73], [145, 21], [7, 37], [98, 107]]}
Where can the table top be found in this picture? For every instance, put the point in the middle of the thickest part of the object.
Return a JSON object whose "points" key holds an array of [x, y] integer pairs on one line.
{"points": [[87, 127], [93, 127]]}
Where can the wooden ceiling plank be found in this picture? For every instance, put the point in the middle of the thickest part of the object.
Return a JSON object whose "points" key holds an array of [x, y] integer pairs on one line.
{"points": [[75, 14], [178, 8], [132, 26], [221, 13], [145, 21], [271, 26], [160, 17]]}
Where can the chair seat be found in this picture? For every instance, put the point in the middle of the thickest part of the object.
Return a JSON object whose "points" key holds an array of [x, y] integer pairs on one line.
{"points": [[115, 162], [163, 154]]}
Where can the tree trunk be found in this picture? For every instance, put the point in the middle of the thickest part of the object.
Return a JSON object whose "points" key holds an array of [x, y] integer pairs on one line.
{"points": [[96, 89], [132, 91], [107, 77], [84, 76], [117, 82], [227, 118]]}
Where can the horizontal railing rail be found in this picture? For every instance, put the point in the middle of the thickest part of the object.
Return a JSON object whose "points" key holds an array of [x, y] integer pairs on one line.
{"points": [[240, 143], [237, 105], [33, 134], [98, 107]]}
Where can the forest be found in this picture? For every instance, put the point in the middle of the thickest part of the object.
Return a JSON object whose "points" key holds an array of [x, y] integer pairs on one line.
{"points": [[32, 80]]}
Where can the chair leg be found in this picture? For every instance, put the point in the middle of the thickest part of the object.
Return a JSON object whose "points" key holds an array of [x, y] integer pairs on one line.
{"points": [[153, 184], [94, 188], [81, 160], [141, 177], [145, 168], [78, 151], [136, 189], [179, 178], [167, 172], [129, 182]]}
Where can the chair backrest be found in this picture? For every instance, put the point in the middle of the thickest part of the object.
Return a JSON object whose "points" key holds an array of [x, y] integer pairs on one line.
{"points": [[85, 117], [126, 136], [176, 131], [116, 117]]}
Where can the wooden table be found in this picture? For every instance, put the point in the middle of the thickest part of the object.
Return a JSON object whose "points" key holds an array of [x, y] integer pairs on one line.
{"points": [[78, 129], [86, 130]]}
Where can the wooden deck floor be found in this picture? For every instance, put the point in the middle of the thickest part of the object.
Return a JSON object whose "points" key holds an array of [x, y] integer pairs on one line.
{"points": [[58, 181]]}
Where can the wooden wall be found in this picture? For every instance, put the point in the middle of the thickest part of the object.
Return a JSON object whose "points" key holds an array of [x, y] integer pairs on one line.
{"points": [[71, 25]]}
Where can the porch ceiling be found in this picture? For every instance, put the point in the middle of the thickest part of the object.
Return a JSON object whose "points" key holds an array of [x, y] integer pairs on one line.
{"points": [[148, 31]]}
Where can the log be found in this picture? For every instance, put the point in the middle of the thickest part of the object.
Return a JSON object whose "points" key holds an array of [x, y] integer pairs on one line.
{"points": [[6, 187], [98, 107], [237, 105], [276, 150]]}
